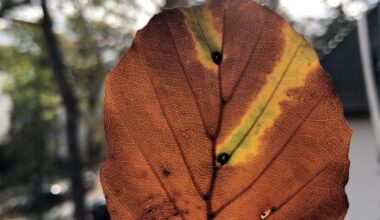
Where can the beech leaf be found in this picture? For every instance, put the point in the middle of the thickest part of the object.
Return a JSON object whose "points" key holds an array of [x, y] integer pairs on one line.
{"points": [[223, 111]]}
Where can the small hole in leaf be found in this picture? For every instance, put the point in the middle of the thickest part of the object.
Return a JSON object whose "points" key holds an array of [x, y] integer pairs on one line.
{"points": [[217, 57], [267, 213], [223, 158]]}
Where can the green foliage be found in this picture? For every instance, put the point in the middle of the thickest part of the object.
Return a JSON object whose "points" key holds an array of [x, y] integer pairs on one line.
{"points": [[35, 104], [89, 48]]}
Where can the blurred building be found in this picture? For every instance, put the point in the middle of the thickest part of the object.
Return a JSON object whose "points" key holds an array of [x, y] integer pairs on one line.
{"points": [[344, 64]]}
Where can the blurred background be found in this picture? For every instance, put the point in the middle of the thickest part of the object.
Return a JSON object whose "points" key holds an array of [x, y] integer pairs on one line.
{"points": [[53, 59]]}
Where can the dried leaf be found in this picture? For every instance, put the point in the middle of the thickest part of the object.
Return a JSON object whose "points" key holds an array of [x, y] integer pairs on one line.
{"points": [[222, 111]]}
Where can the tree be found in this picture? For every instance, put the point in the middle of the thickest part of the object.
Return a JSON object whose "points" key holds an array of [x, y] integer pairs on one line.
{"points": [[70, 103], [78, 72], [24, 155]]}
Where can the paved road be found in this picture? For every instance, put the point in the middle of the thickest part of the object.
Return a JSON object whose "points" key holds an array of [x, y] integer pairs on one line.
{"points": [[363, 188]]}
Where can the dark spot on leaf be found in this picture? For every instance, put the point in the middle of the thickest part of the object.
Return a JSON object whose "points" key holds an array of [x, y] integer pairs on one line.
{"points": [[165, 172], [217, 57], [212, 138], [223, 102], [211, 216], [176, 213], [183, 113], [223, 158], [162, 209], [273, 209], [206, 197]]}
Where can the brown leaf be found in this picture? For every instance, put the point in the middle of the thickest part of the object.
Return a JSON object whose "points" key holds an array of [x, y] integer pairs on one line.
{"points": [[222, 111]]}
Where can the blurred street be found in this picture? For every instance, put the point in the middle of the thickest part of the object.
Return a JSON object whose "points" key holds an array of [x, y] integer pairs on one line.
{"points": [[363, 185]]}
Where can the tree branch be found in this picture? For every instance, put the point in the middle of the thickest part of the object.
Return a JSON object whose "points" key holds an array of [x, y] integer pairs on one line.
{"points": [[70, 104]]}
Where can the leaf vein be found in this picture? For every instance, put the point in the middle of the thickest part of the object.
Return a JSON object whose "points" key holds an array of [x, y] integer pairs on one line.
{"points": [[148, 162], [233, 199], [172, 130]]}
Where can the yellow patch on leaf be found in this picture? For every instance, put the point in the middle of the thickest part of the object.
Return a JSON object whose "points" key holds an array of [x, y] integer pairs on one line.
{"points": [[202, 26], [289, 73]]}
